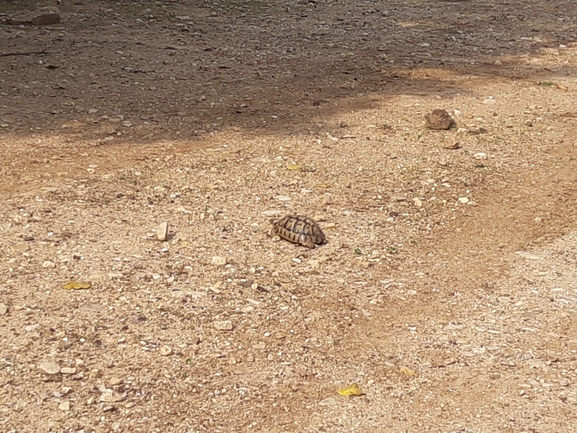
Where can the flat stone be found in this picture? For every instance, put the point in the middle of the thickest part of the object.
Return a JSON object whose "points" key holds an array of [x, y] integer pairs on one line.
{"points": [[68, 370], [49, 367], [89, 306], [223, 325], [97, 276], [272, 212], [165, 351], [329, 401], [3, 309], [527, 255], [48, 264], [162, 231], [453, 327], [22, 247], [65, 405], [219, 261]]}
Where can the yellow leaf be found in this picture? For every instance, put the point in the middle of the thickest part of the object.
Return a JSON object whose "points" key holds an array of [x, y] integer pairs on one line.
{"points": [[73, 285], [293, 167], [406, 371], [353, 391]]}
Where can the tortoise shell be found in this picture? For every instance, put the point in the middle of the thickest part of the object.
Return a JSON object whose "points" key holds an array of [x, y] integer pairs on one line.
{"points": [[299, 230]]}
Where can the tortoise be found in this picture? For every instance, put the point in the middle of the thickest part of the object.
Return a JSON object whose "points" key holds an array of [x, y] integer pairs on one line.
{"points": [[299, 230]]}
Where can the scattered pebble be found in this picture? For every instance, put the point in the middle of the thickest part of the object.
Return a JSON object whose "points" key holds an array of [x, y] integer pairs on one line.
{"points": [[480, 156], [283, 198], [165, 350], [49, 367], [65, 405], [329, 401], [97, 276], [3, 309], [68, 370], [223, 325], [451, 143], [162, 231], [272, 212], [219, 261], [48, 264], [110, 396]]}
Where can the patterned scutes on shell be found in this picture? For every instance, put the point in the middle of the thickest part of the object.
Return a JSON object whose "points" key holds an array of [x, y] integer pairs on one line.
{"points": [[299, 230]]}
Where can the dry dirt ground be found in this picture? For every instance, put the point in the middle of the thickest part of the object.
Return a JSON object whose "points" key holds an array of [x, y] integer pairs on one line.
{"points": [[447, 291]]}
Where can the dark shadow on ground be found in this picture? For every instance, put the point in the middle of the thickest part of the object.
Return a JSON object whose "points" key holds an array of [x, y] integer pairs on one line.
{"points": [[181, 69]]}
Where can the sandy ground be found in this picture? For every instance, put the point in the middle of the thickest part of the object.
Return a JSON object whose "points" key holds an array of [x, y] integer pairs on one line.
{"points": [[447, 290]]}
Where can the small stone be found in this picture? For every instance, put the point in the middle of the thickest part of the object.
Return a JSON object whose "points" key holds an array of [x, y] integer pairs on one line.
{"points": [[223, 325], [329, 401], [489, 101], [498, 63], [30, 328], [451, 143], [48, 264], [165, 351], [219, 261], [418, 202], [480, 156], [463, 200], [272, 212], [49, 367], [96, 276], [90, 306], [115, 381], [21, 248], [162, 231], [68, 370], [3, 309], [453, 327], [47, 16], [110, 396], [65, 405], [439, 120], [343, 124]]}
